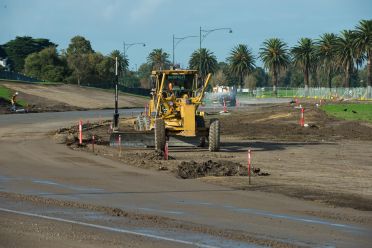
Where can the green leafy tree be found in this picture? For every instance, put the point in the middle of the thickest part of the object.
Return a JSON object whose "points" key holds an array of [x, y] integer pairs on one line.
{"points": [[304, 57], [3, 54], [326, 52], [144, 72], [106, 67], [123, 62], [242, 62], [219, 78], [346, 54], [363, 44], [18, 49], [77, 55], [158, 59], [203, 60], [274, 54], [45, 65]]}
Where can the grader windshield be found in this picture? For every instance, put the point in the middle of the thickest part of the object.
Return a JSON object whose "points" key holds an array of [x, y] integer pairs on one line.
{"points": [[182, 82]]}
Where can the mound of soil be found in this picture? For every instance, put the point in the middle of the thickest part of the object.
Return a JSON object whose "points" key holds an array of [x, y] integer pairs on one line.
{"points": [[192, 169], [156, 155]]}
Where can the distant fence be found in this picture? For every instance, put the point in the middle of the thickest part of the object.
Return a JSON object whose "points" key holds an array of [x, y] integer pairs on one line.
{"points": [[9, 75], [360, 93], [136, 91]]}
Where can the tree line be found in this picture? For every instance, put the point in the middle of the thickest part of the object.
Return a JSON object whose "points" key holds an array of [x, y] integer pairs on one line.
{"points": [[342, 59]]}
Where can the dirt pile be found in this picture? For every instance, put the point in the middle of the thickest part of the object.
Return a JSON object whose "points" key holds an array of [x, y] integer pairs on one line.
{"points": [[70, 135], [156, 155], [192, 169]]}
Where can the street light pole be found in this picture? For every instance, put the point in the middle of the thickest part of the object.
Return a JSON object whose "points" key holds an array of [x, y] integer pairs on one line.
{"points": [[179, 40], [126, 46], [116, 113], [203, 36]]}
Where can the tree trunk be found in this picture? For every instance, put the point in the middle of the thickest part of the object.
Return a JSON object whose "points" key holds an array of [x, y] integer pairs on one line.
{"points": [[275, 84], [241, 80], [306, 72], [329, 79], [369, 79], [347, 76]]}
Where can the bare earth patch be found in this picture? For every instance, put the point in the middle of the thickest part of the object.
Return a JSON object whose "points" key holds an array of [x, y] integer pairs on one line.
{"points": [[65, 97], [329, 161]]}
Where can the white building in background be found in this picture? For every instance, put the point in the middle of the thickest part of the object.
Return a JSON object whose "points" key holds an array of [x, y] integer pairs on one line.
{"points": [[4, 63]]}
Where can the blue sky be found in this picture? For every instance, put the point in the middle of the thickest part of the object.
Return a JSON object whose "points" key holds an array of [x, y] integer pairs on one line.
{"points": [[108, 23]]}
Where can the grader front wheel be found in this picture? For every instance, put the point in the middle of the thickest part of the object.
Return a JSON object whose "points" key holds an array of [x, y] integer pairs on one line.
{"points": [[214, 135], [159, 134]]}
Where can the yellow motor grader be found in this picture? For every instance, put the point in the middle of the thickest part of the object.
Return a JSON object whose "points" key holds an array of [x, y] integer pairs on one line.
{"points": [[173, 114]]}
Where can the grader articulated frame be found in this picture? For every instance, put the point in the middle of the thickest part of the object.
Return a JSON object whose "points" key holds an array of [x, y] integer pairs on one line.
{"points": [[173, 114]]}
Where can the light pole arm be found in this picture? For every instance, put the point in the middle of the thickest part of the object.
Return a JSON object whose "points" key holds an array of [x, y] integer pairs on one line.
{"points": [[207, 32], [178, 40]]}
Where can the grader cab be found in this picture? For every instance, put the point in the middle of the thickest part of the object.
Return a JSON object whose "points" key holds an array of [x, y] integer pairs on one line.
{"points": [[173, 113]]}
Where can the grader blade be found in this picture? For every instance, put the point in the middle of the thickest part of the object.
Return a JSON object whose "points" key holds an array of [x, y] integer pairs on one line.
{"points": [[133, 139], [146, 139]]}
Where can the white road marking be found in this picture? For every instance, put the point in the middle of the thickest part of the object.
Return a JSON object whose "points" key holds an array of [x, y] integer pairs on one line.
{"points": [[107, 228]]}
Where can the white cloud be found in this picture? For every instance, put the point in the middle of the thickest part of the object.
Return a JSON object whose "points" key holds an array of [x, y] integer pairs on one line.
{"points": [[144, 9]]}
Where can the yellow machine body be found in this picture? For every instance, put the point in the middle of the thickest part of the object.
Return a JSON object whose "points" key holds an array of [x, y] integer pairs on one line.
{"points": [[176, 96]]}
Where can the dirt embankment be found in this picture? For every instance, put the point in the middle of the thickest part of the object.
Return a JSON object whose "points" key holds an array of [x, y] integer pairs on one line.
{"points": [[42, 98]]}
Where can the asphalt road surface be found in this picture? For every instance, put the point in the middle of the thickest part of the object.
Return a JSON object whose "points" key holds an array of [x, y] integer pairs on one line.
{"points": [[54, 196]]}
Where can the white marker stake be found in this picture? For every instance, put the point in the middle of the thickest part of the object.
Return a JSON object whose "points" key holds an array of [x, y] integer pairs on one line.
{"points": [[80, 132]]}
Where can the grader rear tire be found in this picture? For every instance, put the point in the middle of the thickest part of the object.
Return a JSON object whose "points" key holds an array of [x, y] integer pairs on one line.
{"points": [[214, 135], [159, 134]]}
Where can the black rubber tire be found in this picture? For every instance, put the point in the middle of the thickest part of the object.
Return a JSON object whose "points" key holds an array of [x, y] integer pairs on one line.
{"points": [[214, 135], [159, 134]]}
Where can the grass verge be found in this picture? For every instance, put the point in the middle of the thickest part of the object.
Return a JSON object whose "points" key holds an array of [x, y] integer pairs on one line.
{"points": [[6, 94], [352, 111]]}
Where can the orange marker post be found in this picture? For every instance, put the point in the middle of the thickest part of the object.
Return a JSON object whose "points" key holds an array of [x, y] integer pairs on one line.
{"points": [[302, 118], [249, 166], [80, 132], [224, 106]]}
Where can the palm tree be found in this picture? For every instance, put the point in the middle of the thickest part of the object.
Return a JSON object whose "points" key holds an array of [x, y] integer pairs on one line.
{"points": [[158, 59], [304, 57], [241, 62], [346, 54], [274, 54], [363, 45], [326, 52], [123, 62], [203, 60]]}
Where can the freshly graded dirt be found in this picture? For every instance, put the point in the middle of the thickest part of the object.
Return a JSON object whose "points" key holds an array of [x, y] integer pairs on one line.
{"points": [[328, 161]]}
